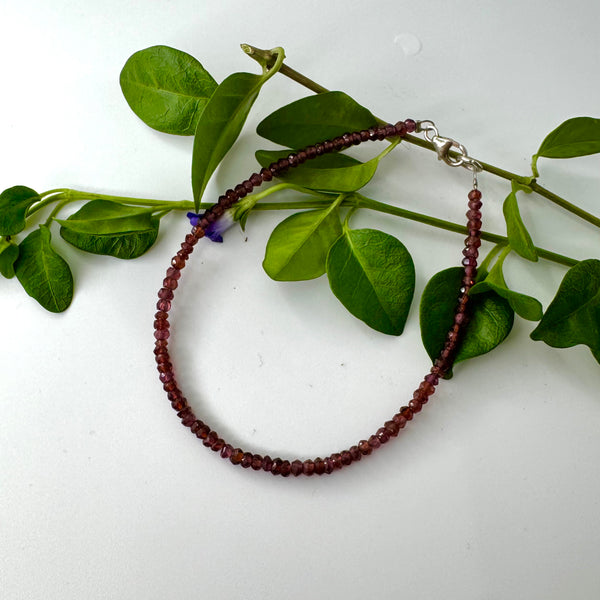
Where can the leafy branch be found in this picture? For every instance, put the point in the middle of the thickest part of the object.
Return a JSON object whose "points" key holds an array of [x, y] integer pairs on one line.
{"points": [[369, 271]]}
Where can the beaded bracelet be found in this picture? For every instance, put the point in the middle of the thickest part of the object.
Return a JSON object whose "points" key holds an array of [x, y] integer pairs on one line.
{"points": [[319, 466]]}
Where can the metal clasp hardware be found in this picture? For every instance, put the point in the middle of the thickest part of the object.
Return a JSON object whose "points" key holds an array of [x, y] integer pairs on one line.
{"points": [[443, 145]]}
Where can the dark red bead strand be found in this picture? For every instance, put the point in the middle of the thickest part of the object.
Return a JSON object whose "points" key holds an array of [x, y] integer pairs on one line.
{"points": [[391, 428]]}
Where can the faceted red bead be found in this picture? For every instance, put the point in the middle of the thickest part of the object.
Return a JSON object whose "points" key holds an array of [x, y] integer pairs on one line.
{"points": [[296, 468], [246, 460], [210, 439], [302, 156], [165, 294], [311, 152], [170, 386], [178, 405], [267, 463], [285, 468], [389, 130], [256, 179], [161, 334], [161, 324], [392, 428], [237, 456], [188, 419], [240, 190], [406, 413], [276, 466], [198, 232], [432, 379], [165, 367], [328, 146], [357, 137], [400, 419], [233, 197], [337, 460], [474, 224], [248, 185], [178, 262], [365, 448], [382, 435], [161, 314], [283, 164], [346, 457], [308, 467], [319, 466], [266, 175], [256, 462], [226, 451], [355, 453], [415, 405], [475, 204], [329, 466], [374, 442], [189, 248], [410, 125], [293, 160], [173, 273], [401, 128], [202, 432], [474, 195], [364, 135], [166, 377], [217, 445]]}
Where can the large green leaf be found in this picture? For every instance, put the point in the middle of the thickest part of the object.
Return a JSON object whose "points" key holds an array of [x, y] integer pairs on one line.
{"points": [[166, 88], [297, 249], [14, 203], [345, 174], [43, 273], [314, 119], [573, 317], [373, 276], [221, 123], [105, 227], [9, 252], [518, 236], [579, 136], [491, 317]]}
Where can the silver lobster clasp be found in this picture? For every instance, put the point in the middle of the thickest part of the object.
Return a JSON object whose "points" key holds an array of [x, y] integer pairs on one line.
{"points": [[443, 145]]}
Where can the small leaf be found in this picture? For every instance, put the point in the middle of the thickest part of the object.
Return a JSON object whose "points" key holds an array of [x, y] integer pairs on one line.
{"points": [[579, 136], [110, 228], [373, 276], [314, 119], [344, 175], [525, 306], [491, 318], [166, 88], [573, 317], [297, 249], [518, 236], [14, 203], [220, 124], [9, 252], [43, 273]]}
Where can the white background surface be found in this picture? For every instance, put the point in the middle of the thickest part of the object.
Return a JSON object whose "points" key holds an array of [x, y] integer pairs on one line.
{"points": [[491, 494]]}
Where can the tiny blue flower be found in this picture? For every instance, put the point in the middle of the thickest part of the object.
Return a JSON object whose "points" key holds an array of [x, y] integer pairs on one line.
{"points": [[215, 230]]}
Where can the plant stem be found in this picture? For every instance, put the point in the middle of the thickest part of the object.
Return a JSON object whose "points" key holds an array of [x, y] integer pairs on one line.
{"points": [[364, 202], [270, 57]]}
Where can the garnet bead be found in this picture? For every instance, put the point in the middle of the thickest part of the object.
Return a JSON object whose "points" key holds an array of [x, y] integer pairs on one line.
{"points": [[296, 468], [308, 467]]}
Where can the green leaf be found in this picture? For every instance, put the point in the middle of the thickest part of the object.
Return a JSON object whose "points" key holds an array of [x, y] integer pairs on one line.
{"points": [[43, 273], [573, 317], [297, 249], [221, 123], [166, 88], [373, 276], [525, 306], [491, 317], [314, 119], [14, 203], [518, 236], [9, 252], [105, 227], [579, 136], [344, 174]]}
